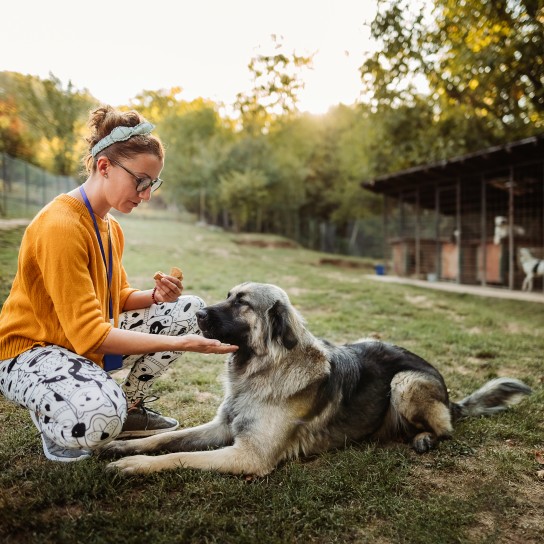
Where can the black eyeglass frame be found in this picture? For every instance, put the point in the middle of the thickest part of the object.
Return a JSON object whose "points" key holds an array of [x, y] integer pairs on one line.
{"points": [[142, 184]]}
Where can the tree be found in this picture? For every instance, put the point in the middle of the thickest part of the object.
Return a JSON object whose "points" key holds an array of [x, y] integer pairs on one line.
{"points": [[486, 58], [244, 195], [197, 143], [57, 115], [155, 106], [16, 138], [276, 84]]}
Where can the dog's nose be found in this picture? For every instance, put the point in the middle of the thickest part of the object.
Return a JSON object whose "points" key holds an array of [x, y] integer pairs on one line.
{"points": [[201, 314]]}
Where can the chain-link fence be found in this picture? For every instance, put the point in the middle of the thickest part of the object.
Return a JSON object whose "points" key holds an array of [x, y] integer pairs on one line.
{"points": [[25, 188]]}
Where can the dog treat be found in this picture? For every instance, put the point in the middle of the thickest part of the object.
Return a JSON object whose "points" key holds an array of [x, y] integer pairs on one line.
{"points": [[176, 272]]}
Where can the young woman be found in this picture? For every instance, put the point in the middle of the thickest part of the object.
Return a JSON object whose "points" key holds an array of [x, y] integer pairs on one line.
{"points": [[71, 313]]}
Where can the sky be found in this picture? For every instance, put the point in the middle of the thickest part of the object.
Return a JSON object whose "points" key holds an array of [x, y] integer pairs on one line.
{"points": [[117, 48]]}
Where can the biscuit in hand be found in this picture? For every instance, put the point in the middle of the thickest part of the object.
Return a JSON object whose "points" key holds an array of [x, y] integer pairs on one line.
{"points": [[176, 273]]}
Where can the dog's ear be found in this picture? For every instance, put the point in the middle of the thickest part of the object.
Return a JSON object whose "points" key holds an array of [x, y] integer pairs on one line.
{"points": [[280, 327]]}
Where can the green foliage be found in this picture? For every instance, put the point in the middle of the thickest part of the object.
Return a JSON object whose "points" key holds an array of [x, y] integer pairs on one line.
{"points": [[483, 59], [15, 139], [244, 195], [196, 142], [446, 78], [9, 250], [276, 84], [57, 116], [156, 105]]}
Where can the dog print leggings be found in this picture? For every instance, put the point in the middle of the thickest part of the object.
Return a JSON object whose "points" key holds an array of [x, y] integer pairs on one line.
{"points": [[80, 406]]}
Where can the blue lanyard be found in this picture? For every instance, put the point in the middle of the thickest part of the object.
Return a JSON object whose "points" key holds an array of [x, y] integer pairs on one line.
{"points": [[109, 266]]}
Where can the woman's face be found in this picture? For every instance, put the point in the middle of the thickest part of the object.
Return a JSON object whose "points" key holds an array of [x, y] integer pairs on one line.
{"points": [[125, 175]]}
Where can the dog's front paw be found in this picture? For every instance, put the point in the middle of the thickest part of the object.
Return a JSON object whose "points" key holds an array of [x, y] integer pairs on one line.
{"points": [[117, 448], [135, 464]]}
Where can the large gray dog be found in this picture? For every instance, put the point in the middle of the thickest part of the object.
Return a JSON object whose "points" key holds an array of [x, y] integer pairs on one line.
{"points": [[288, 393]]}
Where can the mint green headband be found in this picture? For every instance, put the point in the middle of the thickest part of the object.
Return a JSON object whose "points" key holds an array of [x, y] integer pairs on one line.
{"points": [[120, 134]]}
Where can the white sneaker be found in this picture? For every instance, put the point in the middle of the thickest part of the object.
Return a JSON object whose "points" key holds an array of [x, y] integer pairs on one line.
{"points": [[54, 452]]}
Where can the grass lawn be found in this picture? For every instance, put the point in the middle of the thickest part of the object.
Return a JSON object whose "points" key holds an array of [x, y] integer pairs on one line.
{"points": [[480, 487]]}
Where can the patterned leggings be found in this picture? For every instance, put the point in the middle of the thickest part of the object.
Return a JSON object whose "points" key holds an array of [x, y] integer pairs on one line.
{"points": [[78, 404]]}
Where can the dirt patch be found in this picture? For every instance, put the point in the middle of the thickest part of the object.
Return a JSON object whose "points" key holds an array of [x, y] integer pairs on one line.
{"points": [[204, 396], [420, 301], [9, 224], [516, 328], [344, 263], [282, 244], [525, 492]]}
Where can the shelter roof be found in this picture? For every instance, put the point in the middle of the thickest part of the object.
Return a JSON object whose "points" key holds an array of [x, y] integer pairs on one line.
{"points": [[479, 163]]}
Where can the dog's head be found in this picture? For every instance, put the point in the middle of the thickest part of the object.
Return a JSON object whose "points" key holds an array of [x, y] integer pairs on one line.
{"points": [[256, 317]]}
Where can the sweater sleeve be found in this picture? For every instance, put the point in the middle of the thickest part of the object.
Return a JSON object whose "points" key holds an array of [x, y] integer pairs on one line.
{"points": [[63, 255]]}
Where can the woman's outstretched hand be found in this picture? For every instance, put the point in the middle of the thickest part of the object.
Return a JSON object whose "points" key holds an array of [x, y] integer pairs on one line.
{"points": [[199, 344]]}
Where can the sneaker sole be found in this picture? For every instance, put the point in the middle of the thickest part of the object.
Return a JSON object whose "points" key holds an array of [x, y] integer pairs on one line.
{"points": [[48, 454], [144, 433]]}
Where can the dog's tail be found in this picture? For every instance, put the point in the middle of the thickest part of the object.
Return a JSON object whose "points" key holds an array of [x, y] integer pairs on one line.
{"points": [[495, 396]]}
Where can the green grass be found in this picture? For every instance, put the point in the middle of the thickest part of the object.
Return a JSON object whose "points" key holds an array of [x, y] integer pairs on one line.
{"points": [[479, 487], [9, 248]]}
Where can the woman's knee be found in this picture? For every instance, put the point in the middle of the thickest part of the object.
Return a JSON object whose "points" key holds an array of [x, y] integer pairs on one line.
{"points": [[183, 315], [95, 416], [191, 303]]}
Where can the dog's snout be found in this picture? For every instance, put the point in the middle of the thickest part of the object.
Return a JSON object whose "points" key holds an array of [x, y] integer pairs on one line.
{"points": [[202, 314]]}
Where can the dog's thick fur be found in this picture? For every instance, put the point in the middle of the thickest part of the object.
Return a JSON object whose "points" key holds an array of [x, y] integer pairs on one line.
{"points": [[532, 267], [288, 393]]}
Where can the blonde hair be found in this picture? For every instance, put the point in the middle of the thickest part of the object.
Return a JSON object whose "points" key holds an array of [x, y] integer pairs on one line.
{"points": [[102, 121]]}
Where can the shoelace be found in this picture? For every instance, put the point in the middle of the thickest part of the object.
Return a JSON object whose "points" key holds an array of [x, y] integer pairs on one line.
{"points": [[142, 404]]}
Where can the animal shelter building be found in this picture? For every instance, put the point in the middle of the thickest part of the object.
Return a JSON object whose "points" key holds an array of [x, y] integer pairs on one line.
{"points": [[476, 219]]}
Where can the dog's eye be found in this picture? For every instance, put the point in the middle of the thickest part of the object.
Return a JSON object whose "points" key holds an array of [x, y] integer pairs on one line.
{"points": [[239, 301]]}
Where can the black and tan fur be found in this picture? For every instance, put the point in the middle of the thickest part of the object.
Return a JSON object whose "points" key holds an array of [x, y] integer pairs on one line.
{"points": [[288, 393]]}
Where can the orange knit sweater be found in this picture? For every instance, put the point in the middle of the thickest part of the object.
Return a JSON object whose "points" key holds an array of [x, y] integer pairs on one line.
{"points": [[60, 292]]}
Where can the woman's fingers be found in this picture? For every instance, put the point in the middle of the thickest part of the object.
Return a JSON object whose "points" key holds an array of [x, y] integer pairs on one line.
{"points": [[199, 344], [168, 288]]}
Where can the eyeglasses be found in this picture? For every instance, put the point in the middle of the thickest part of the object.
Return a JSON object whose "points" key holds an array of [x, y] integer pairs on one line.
{"points": [[142, 184]]}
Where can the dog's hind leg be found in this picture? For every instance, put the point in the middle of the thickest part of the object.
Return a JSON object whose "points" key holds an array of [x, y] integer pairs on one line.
{"points": [[420, 404]]}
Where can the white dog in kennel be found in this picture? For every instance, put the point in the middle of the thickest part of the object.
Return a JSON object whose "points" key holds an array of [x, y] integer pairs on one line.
{"points": [[502, 229], [532, 267]]}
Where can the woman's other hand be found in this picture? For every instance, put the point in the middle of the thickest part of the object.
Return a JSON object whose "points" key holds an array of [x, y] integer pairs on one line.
{"points": [[168, 289]]}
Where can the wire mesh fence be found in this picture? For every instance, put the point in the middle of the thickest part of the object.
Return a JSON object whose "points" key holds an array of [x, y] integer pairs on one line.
{"points": [[486, 228], [25, 188]]}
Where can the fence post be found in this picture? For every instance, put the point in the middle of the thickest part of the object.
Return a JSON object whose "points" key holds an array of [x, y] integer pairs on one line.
{"points": [[460, 238], [511, 256], [4, 206], [483, 228], [438, 245], [26, 188], [418, 235], [44, 196]]}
